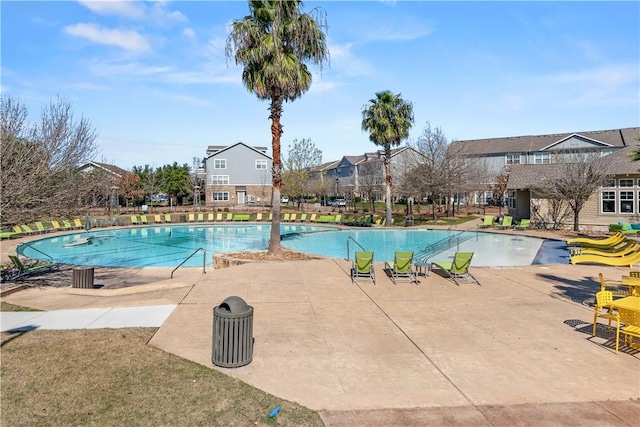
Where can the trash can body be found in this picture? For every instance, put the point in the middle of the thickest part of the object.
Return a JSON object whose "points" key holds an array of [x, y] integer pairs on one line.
{"points": [[232, 333], [82, 278]]}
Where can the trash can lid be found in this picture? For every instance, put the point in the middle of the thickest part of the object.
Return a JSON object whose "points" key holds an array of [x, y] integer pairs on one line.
{"points": [[234, 305]]}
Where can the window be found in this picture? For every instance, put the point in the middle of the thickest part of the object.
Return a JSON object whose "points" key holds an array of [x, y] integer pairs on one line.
{"points": [[219, 179], [626, 201], [608, 201], [220, 196], [625, 183], [609, 183], [541, 158], [261, 164], [219, 163], [511, 199], [513, 159]]}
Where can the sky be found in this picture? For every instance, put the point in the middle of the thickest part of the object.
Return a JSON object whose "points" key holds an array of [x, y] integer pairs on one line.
{"points": [[154, 81]]}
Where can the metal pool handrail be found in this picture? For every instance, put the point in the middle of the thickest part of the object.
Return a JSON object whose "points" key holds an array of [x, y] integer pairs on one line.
{"points": [[354, 241], [37, 250], [204, 257], [424, 255]]}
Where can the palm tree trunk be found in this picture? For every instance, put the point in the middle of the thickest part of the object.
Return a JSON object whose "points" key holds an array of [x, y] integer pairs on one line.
{"points": [[387, 171], [276, 132]]}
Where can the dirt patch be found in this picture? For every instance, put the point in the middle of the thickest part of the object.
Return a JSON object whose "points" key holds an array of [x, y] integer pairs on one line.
{"points": [[264, 256]]}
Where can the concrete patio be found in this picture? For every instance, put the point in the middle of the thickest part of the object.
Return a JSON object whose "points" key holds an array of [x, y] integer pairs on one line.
{"points": [[516, 350]]}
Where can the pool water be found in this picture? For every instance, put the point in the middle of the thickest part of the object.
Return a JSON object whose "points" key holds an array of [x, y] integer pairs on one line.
{"points": [[168, 246]]}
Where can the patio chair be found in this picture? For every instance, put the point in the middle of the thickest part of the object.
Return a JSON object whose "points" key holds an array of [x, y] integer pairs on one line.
{"points": [[28, 230], [229, 217], [458, 269], [143, 219], [157, 219], [219, 216], [41, 228], [626, 249], [603, 302], [134, 220], [487, 222], [507, 222], [285, 217], [259, 216], [167, 218], [211, 217], [303, 217], [22, 271], [401, 267], [612, 286], [200, 217], [77, 224], [363, 266], [192, 217], [524, 224]]}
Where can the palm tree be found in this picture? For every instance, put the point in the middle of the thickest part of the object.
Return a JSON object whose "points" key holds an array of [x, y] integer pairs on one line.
{"points": [[273, 44], [388, 119]]}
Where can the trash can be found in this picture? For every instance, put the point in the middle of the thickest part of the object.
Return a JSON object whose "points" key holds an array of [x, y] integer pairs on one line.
{"points": [[82, 278], [232, 333], [409, 221]]}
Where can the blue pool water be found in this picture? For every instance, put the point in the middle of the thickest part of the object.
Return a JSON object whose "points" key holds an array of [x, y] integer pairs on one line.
{"points": [[168, 246]]}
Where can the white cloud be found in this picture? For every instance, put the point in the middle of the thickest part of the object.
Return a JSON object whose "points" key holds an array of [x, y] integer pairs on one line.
{"points": [[608, 75], [189, 33], [126, 39], [190, 100], [130, 69], [344, 60], [128, 9], [160, 15]]}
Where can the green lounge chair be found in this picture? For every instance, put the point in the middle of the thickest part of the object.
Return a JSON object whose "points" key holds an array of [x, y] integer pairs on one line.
{"points": [[143, 219], [458, 269], [285, 217], [229, 217], [401, 268], [303, 217], [487, 222], [23, 271], [200, 217], [134, 220], [524, 224], [363, 266], [41, 228], [167, 218], [507, 222], [28, 230]]}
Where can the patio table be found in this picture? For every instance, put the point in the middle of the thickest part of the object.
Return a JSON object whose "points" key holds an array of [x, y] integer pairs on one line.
{"points": [[629, 311]]}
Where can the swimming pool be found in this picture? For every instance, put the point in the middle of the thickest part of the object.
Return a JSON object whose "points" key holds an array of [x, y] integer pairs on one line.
{"points": [[168, 246]]}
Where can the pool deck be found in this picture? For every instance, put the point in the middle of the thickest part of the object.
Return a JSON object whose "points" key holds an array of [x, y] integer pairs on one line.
{"points": [[516, 350]]}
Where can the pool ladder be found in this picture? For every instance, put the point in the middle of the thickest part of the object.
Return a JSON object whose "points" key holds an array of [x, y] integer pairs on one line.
{"points": [[354, 241], [204, 258]]}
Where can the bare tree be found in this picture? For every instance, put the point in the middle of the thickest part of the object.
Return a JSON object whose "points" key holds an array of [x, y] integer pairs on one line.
{"points": [[302, 156], [40, 160], [576, 178], [371, 181]]}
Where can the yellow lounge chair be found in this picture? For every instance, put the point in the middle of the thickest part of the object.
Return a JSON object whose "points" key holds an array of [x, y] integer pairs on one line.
{"points": [[192, 217], [143, 219], [626, 249], [621, 261], [157, 219], [229, 217], [134, 220], [167, 218], [200, 217], [611, 241], [211, 217]]}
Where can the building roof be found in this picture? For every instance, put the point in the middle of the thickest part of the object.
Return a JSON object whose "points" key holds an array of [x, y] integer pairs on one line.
{"points": [[526, 176], [111, 169], [214, 150], [615, 138]]}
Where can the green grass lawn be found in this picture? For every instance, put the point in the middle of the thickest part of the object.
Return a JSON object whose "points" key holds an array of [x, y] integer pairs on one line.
{"points": [[111, 377]]}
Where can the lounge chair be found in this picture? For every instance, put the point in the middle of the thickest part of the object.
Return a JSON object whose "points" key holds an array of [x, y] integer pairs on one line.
{"points": [[229, 217], [41, 228], [458, 269], [621, 261], [401, 267], [77, 223], [134, 220], [211, 217], [200, 217], [192, 217], [285, 217], [626, 249], [337, 219], [487, 222], [157, 219], [507, 222], [66, 225], [303, 217], [363, 266], [524, 224], [219, 216], [9, 235], [55, 225], [28, 230], [610, 242], [312, 218], [167, 218], [143, 219], [23, 271], [259, 216]]}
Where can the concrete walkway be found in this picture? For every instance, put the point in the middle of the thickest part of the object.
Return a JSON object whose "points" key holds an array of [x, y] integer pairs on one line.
{"points": [[516, 350]]}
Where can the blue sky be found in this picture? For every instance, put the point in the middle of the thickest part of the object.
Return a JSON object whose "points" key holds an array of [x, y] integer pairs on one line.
{"points": [[153, 79]]}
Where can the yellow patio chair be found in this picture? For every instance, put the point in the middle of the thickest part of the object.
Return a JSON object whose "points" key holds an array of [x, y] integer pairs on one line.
{"points": [[609, 242], [211, 217], [612, 286], [157, 219], [401, 267], [603, 302], [77, 223], [363, 266], [167, 218], [229, 216], [192, 217], [134, 220], [458, 269], [625, 249], [303, 217], [200, 217], [285, 217], [143, 219], [630, 328], [259, 216], [219, 216]]}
